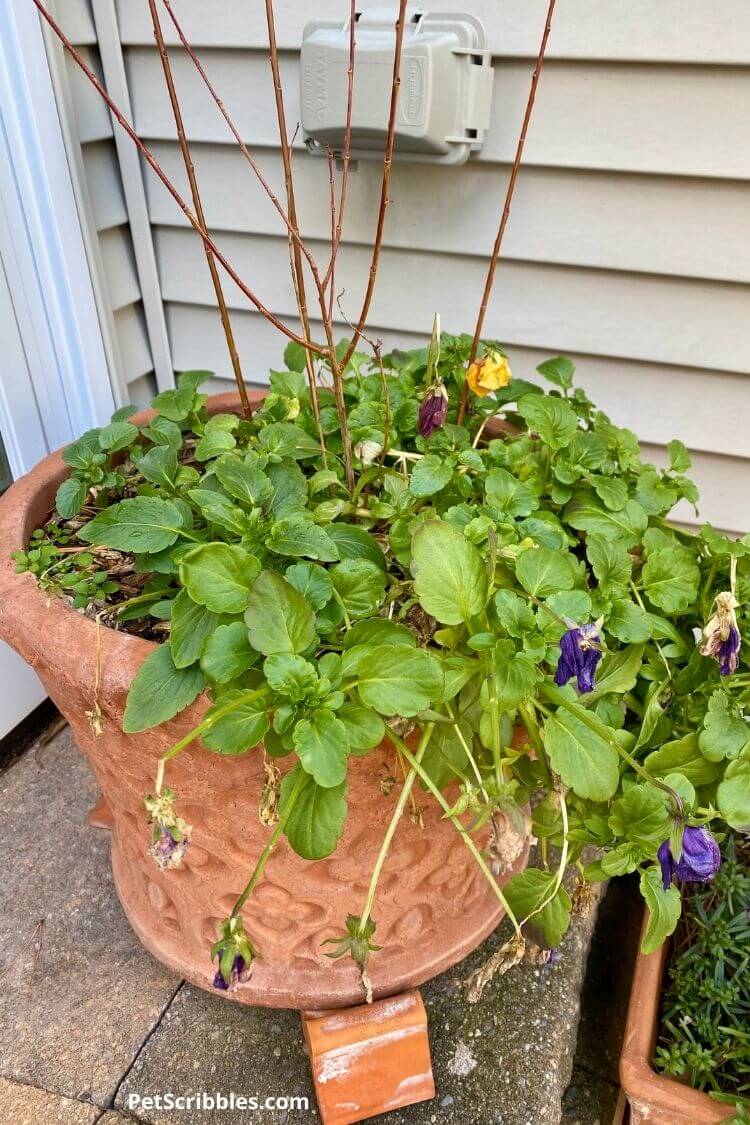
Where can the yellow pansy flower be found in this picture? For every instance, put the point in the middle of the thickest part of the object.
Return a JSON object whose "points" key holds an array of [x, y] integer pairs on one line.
{"points": [[489, 373]]}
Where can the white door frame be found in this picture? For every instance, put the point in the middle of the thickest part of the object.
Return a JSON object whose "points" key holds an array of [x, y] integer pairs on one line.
{"points": [[44, 256], [54, 379]]}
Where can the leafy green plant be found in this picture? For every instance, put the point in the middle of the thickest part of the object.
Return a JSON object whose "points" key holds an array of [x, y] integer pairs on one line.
{"points": [[515, 572], [704, 1038]]}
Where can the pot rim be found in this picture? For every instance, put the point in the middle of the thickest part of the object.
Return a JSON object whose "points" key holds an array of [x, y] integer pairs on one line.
{"points": [[22, 508], [643, 1085]]}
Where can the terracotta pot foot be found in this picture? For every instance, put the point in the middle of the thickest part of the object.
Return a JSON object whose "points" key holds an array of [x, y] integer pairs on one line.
{"points": [[101, 816], [369, 1059]]}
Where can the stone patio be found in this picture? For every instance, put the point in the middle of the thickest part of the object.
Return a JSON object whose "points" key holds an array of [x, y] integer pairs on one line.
{"points": [[91, 1025]]}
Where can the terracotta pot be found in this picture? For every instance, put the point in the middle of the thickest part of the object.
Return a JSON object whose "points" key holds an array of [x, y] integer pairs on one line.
{"points": [[653, 1097], [433, 905]]}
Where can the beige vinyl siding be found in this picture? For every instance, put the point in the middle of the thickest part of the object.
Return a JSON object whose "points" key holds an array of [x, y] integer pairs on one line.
{"points": [[93, 129], [627, 247]]}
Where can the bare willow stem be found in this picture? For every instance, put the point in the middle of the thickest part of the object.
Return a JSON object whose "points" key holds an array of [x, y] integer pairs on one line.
{"points": [[198, 205], [506, 209], [385, 185], [346, 151], [298, 276], [162, 175]]}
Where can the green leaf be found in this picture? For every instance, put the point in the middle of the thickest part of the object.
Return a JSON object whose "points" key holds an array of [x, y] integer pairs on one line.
{"points": [[542, 571], [364, 728], [70, 497], [508, 494], [396, 680], [671, 578], [514, 679], [641, 815], [430, 475], [295, 356], [143, 525], [219, 576], [245, 482], [618, 672], [733, 795], [278, 618], [514, 614], [217, 509], [551, 418], [191, 627], [525, 894], [322, 746], [316, 821], [679, 458], [559, 370], [379, 631], [724, 732], [227, 653], [312, 581], [289, 488], [586, 513], [445, 755], [160, 691], [664, 909], [301, 537], [612, 491], [450, 578], [683, 756], [290, 675], [583, 759], [356, 543], [609, 560], [117, 435], [159, 465], [360, 585], [163, 432], [628, 622], [241, 729]]}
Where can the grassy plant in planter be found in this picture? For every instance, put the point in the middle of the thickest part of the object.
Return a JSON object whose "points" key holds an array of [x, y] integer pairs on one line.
{"points": [[370, 560], [468, 584]]}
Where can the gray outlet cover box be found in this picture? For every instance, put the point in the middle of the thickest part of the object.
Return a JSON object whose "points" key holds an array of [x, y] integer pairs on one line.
{"points": [[446, 85]]}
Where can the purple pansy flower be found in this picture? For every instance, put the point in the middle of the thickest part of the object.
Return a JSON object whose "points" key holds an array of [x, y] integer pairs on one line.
{"points": [[580, 653], [433, 410], [699, 862], [721, 636], [238, 968]]}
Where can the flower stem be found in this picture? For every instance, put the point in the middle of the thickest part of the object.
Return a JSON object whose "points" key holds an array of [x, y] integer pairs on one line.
{"points": [[270, 845], [430, 784], [562, 864], [397, 814]]}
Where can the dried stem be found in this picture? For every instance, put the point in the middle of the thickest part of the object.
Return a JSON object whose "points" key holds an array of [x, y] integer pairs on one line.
{"points": [[298, 276], [506, 209], [346, 151], [156, 167], [387, 166], [198, 205]]}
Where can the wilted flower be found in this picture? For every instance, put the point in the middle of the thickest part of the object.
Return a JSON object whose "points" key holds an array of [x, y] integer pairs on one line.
{"points": [[236, 954], [503, 959], [170, 834], [721, 636], [356, 942], [489, 373], [699, 862], [238, 968], [166, 849], [368, 451], [433, 410], [580, 653]]}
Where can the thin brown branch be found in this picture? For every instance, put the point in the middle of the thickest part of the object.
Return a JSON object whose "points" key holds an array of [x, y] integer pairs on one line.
{"points": [[346, 151], [198, 205], [332, 201], [297, 272], [159, 171], [387, 166], [506, 209]]}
